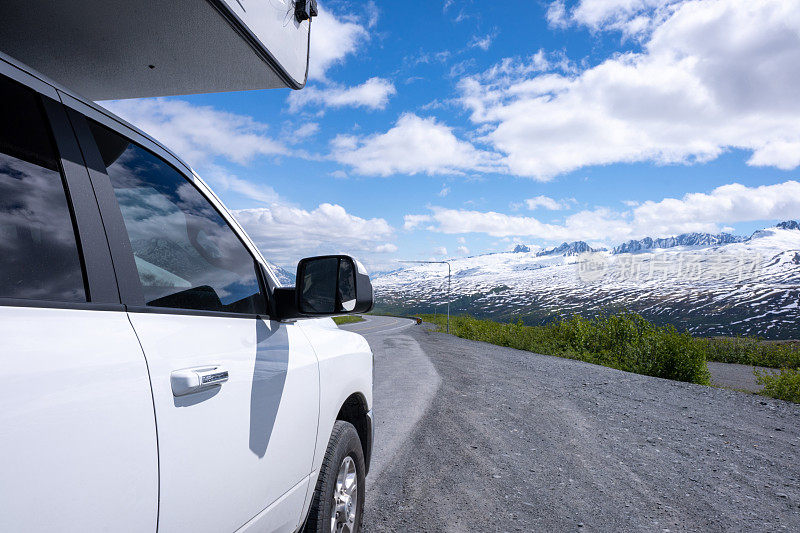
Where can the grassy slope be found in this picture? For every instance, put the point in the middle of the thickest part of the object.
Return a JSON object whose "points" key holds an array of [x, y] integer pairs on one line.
{"points": [[347, 319]]}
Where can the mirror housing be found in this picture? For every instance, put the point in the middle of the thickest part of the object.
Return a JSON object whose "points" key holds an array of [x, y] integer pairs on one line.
{"points": [[326, 285]]}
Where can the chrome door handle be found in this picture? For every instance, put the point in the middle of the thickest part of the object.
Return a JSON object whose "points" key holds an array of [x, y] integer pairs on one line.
{"points": [[191, 380]]}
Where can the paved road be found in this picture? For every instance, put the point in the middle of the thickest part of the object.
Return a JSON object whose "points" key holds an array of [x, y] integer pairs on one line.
{"points": [[475, 437]]}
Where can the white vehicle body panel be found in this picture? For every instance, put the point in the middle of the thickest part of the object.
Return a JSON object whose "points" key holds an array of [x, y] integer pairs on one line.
{"points": [[77, 433], [94, 438], [111, 49], [345, 367], [274, 25], [232, 450]]}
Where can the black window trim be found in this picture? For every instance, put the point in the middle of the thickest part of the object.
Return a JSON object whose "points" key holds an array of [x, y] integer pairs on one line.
{"points": [[130, 288], [100, 285]]}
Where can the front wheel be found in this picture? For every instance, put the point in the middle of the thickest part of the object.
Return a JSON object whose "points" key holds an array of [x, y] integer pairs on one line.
{"points": [[338, 502]]}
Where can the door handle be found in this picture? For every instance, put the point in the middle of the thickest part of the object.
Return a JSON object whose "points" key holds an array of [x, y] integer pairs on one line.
{"points": [[191, 380]]}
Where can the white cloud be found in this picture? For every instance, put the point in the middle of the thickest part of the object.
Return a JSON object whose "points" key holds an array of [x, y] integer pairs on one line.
{"points": [[332, 39], [414, 145], [511, 69], [445, 191], [712, 75], [724, 205], [441, 250], [373, 13], [198, 133], [702, 212], [372, 94], [462, 250], [557, 14], [631, 17], [545, 202], [285, 234], [309, 129], [414, 221], [386, 248], [483, 42], [221, 181]]}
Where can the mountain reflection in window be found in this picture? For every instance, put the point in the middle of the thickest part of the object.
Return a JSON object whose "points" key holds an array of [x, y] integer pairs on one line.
{"points": [[39, 257], [186, 254]]}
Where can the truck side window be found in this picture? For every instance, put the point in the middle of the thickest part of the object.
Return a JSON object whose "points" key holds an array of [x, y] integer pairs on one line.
{"points": [[39, 257], [186, 254]]}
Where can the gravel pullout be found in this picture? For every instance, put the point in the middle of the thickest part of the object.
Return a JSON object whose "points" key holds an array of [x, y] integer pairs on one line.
{"points": [[514, 441]]}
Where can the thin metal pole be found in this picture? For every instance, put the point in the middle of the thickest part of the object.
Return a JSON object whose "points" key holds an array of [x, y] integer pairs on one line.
{"points": [[448, 285], [448, 297]]}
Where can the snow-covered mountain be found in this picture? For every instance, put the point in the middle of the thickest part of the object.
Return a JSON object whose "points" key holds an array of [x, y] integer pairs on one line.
{"points": [[568, 248], [686, 239], [702, 283], [285, 277]]}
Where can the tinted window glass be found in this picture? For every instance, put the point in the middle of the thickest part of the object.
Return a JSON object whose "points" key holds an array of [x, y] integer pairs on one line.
{"points": [[39, 256], [186, 255], [319, 285]]}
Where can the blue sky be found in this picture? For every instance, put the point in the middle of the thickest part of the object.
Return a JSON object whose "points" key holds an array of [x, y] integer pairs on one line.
{"points": [[443, 129]]}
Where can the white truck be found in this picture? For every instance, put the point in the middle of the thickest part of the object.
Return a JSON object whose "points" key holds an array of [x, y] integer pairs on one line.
{"points": [[155, 375]]}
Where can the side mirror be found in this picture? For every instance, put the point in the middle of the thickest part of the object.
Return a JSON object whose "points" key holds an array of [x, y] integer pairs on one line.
{"points": [[332, 284]]}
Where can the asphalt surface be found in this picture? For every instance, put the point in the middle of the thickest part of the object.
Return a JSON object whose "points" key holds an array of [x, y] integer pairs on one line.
{"points": [[476, 437]]}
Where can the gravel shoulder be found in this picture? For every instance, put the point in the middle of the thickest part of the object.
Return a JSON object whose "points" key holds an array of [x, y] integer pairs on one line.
{"points": [[514, 441], [734, 376]]}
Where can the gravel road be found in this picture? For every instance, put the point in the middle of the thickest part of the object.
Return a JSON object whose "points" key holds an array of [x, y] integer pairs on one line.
{"points": [[475, 437], [735, 376]]}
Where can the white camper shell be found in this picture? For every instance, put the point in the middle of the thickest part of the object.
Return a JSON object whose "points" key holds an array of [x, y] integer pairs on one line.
{"points": [[109, 49]]}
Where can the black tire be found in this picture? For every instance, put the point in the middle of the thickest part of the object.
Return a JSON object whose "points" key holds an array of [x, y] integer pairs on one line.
{"points": [[344, 443]]}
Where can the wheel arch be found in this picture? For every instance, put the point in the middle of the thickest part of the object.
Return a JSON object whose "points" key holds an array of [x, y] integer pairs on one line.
{"points": [[355, 410]]}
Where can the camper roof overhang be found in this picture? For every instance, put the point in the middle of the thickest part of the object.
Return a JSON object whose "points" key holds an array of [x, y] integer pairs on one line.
{"points": [[108, 49]]}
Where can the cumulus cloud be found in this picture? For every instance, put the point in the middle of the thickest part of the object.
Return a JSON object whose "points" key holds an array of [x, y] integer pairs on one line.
{"points": [[372, 94], [332, 39], [631, 17], [285, 234], [415, 145], [702, 212], [441, 250], [545, 202], [712, 75], [386, 248], [462, 250], [727, 204], [199, 133]]}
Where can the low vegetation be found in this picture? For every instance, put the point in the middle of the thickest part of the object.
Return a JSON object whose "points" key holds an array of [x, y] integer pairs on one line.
{"points": [[784, 385], [347, 319], [625, 341], [753, 351]]}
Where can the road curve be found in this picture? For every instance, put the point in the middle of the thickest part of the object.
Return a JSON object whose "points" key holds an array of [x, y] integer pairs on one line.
{"points": [[476, 437], [378, 325]]}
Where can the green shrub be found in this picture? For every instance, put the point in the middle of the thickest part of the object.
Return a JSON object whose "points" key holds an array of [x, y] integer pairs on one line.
{"points": [[753, 351], [624, 341], [784, 385]]}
